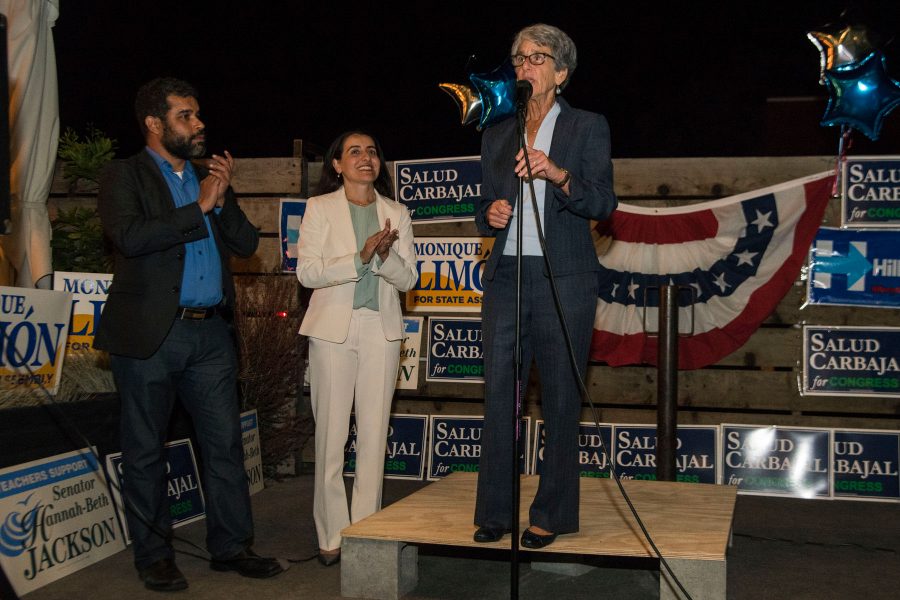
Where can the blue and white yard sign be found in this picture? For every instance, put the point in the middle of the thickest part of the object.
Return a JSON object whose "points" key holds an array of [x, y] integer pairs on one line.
{"points": [[851, 361], [592, 460], [454, 350], [186, 502], [439, 189], [789, 461], [866, 464], [405, 450], [290, 216], [855, 268], [455, 445], [870, 187], [695, 452]]}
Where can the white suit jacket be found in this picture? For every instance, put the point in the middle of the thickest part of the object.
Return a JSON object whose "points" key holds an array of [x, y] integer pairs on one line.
{"points": [[325, 263]]}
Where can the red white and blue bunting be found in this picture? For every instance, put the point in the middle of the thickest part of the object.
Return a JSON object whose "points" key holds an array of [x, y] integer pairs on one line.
{"points": [[734, 259]]}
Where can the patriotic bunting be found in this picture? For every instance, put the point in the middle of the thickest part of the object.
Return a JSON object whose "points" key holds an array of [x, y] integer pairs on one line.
{"points": [[733, 260]]}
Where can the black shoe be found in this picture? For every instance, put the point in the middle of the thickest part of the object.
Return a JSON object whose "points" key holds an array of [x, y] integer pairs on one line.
{"points": [[163, 576], [248, 564], [330, 558], [534, 541], [485, 535]]}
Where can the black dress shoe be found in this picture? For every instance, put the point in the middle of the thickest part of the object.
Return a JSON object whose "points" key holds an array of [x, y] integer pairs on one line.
{"points": [[163, 576], [535, 541], [330, 558], [248, 564], [485, 535]]}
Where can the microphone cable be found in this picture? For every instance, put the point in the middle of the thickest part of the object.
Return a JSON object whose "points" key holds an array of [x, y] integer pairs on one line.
{"points": [[581, 385]]}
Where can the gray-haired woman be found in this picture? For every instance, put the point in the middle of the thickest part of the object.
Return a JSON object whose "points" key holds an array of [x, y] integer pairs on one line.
{"points": [[569, 152]]}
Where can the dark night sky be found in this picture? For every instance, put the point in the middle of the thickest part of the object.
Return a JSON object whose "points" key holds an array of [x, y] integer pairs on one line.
{"points": [[673, 78]]}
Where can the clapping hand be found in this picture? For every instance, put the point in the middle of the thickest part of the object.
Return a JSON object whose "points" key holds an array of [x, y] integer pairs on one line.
{"points": [[379, 243]]}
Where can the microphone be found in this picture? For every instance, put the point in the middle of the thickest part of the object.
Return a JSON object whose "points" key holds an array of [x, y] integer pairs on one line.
{"points": [[523, 93]]}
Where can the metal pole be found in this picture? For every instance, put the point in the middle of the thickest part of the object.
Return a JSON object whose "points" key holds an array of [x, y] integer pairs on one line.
{"points": [[667, 383]]}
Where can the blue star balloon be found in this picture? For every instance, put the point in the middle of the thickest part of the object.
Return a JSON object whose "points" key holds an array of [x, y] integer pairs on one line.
{"points": [[861, 95], [498, 94]]}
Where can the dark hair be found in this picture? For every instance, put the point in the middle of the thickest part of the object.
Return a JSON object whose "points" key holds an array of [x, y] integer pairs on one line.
{"points": [[152, 98], [329, 181]]}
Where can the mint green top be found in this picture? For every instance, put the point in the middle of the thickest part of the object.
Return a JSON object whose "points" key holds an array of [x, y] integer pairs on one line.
{"points": [[365, 224]]}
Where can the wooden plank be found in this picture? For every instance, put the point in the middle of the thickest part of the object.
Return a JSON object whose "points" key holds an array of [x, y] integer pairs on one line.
{"points": [[267, 258], [278, 175], [686, 520], [262, 212], [698, 177]]}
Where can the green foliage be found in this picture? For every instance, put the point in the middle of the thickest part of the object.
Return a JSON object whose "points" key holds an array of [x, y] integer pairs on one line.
{"points": [[78, 243], [84, 158]]}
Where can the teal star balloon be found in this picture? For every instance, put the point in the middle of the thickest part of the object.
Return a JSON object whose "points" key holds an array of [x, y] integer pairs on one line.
{"points": [[861, 95], [498, 94]]}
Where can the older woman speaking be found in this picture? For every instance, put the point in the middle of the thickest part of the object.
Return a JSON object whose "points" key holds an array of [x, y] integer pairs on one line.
{"points": [[569, 153], [356, 251]]}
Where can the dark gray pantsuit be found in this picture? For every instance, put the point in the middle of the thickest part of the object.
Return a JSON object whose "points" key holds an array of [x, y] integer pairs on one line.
{"points": [[580, 144]]}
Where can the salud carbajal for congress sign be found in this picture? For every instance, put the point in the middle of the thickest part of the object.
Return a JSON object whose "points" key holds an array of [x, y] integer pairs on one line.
{"points": [[871, 192], [439, 189], [851, 361]]}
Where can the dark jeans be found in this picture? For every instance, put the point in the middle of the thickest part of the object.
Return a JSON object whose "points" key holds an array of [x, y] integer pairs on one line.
{"points": [[555, 506], [197, 363]]}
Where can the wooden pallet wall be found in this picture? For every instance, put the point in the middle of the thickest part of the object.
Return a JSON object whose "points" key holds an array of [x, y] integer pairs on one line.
{"points": [[759, 383]]}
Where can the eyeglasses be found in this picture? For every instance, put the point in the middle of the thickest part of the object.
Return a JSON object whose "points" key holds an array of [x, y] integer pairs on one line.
{"points": [[536, 58]]}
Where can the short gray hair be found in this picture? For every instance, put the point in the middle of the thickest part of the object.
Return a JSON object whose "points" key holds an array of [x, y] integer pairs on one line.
{"points": [[561, 46]]}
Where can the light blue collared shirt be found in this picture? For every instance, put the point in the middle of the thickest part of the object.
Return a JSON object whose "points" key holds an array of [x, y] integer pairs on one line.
{"points": [[201, 284], [531, 245]]}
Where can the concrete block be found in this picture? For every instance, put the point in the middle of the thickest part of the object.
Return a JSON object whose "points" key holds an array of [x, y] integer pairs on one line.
{"points": [[703, 579], [378, 569]]}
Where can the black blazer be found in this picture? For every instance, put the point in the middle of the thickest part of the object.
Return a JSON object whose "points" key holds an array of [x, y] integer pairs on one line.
{"points": [[148, 234], [581, 145]]}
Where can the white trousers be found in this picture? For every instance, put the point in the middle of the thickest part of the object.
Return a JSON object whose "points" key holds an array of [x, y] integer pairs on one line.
{"points": [[364, 366]]}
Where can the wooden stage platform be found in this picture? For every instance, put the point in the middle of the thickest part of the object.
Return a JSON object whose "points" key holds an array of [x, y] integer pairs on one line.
{"points": [[689, 522]]}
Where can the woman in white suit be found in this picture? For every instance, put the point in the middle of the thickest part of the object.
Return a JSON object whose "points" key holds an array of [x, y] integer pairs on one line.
{"points": [[356, 251]]}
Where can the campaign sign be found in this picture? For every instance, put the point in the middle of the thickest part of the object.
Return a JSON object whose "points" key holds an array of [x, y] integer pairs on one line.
{"points": [[89, 292], [450, 272], [592, 459], [851, 361], [870, 187], [404, 455], [855, 268], [440, 189], [865, 464], [186, 503], [56, 517], [410, 349], [454, 350], [252, 451], [455, 445], [791, 461], [291, 215], [34, 326], [695, 452]]}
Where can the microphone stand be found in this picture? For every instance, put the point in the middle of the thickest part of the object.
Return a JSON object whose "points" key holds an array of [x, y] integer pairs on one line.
{"points": [[519, 392]]}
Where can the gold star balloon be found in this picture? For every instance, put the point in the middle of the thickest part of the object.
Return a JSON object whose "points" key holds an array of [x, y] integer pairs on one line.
{"points": [[468, 101], [837, 50]]}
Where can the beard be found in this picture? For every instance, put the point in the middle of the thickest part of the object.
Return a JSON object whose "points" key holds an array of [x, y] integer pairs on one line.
{"points": [[182, 146]]}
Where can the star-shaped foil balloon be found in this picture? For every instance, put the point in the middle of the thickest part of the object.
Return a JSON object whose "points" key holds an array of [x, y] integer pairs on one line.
{"points": [[842, 48], [491, 100], [466, 98], [861, 95]]}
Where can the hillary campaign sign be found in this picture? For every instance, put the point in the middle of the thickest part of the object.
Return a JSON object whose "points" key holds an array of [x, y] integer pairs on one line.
{"points": [[855, 268], [441, 189], [738, 256], [870, 188], [851, 361]]}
